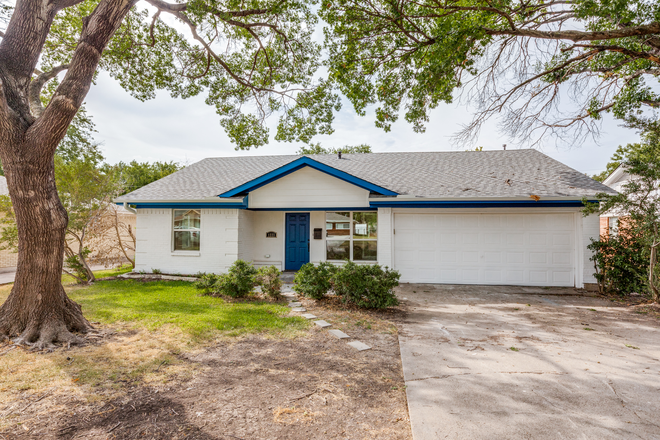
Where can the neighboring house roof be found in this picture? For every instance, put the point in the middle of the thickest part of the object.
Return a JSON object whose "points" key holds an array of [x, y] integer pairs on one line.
{"points": [[617, 178], [463, 175], [4, 190]]}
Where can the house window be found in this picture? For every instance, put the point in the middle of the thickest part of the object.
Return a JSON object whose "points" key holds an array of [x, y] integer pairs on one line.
{"points": [[352, 235], [613, 226], [186, 229]]}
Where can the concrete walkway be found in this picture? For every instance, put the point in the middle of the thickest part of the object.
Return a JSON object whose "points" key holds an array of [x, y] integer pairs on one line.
{"points": [[503, 362]]}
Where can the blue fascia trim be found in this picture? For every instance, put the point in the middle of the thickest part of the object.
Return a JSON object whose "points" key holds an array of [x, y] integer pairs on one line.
{"points": [[313, 209], [480, 204], [295, 166], [184, 205]]}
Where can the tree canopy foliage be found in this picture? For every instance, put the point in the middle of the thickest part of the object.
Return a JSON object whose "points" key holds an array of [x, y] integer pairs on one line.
{"points": [[346, 149], [512, 59], [250, 61], [136, 174]]}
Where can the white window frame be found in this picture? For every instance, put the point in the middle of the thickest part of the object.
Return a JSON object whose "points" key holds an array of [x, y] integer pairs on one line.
{"points": [[181, 251], [350, 238]]}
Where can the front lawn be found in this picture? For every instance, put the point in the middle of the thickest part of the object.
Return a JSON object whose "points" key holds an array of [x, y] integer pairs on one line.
{"points": [[178, 303], [143, 327]]}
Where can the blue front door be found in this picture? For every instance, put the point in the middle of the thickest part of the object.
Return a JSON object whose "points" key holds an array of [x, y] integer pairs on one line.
{"points": [[297, 241]]}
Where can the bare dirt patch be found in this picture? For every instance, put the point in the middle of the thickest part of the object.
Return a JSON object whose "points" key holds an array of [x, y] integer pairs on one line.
{"points": [[255, 387]]}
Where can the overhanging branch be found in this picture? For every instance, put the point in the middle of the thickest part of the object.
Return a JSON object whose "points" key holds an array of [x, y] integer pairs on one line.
{"points": [[637, 31]]}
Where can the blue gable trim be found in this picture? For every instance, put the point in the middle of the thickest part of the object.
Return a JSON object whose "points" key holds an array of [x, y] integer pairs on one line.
{"points": [[301, 163], [479, 204]]}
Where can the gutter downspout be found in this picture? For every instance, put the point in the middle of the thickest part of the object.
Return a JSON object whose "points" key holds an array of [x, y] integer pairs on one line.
{"points": [[129, 209]]}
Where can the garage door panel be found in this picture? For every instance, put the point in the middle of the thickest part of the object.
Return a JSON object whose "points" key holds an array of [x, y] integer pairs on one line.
{"points": [[485, 248]]}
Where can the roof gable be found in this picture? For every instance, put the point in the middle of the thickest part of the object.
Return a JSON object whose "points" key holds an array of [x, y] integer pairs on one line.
{"points": [[297, 165]]}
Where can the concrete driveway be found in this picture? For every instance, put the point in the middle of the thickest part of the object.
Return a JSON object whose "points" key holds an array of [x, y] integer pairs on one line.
{"points": [[519, 363]]}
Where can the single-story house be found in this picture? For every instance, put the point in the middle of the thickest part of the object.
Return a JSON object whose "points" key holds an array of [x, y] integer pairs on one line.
{"points": [[478, 217]]}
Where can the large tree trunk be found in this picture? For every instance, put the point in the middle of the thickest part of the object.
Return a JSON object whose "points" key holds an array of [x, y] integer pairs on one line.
{"points": [[38, 310]]}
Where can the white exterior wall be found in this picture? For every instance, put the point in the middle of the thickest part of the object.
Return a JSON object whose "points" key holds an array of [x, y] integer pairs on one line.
{"points": [[308, 188], [218, 242], [317, 247], [245, 235], [268, 251], [385, 237], [590, 229]]}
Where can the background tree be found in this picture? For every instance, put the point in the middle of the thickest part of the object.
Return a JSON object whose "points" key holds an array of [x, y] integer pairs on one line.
{"points": [[346, 149], [511, 59], [86, 193], [251, 60], [136, 174], [638, 206]]}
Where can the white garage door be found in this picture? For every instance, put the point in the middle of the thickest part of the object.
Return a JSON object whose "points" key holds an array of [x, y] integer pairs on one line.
{"points": [[515, 249]]}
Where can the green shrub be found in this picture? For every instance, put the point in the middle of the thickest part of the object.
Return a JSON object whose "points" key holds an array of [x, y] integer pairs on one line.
{"points": [[367, 286], [75, 265], [268, 277], [621, 261], [237, 283], [314, 281], [206, 282]]}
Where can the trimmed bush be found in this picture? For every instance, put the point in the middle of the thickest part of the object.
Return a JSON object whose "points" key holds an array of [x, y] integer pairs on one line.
{"points": [[367, 286], [314, 281], [206, 282], [268, 277], [237, 283]]}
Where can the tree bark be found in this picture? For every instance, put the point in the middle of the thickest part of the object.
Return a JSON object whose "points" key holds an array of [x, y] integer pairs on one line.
{"points": [[38, 310]]}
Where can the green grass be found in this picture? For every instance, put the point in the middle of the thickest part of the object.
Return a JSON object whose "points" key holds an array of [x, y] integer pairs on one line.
{"points": [[178, 303]]}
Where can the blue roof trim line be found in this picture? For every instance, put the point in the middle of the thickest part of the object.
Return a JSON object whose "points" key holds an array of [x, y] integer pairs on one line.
{"points": [[479, 204], [343, 209], [301, 163], [190, 205]]}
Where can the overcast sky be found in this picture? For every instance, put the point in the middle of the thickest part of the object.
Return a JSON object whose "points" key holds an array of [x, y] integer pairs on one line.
{"points": [[187, 131]]}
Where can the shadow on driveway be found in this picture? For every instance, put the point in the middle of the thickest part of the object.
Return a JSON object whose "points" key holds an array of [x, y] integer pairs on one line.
{"points": [[507, 362]]}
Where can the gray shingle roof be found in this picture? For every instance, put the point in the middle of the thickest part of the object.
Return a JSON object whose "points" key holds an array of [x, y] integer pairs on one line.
{"points": [[470, 174]]}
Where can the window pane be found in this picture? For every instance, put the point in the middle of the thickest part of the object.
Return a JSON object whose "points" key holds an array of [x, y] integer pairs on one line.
{"points": [[365, 224], [186, 219], [365, 250], [338, 249], [186, 240], [337, 224]]}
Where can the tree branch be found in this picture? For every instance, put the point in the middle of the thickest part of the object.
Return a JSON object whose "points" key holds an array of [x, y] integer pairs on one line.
{"points": [[34, 91], [650, 29], [623, 50], [98, 29]]}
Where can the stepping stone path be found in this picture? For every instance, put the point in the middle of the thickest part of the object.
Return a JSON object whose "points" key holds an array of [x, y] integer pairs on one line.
{"points": [[360, 346], [296, 306], [339, 334]]}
